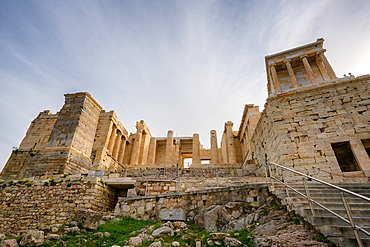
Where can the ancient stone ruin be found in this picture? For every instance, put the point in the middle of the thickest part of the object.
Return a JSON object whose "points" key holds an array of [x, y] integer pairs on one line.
{"points": [[83, 157]]}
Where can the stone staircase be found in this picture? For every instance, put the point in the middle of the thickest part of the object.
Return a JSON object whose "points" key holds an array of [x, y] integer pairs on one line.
{"points": [[335, 229]]}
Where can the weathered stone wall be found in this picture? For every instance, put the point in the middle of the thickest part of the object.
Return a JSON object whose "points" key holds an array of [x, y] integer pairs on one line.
{"points": [[149, 207], [156, 187], [38, 133], [38, 206], [296, 129]]}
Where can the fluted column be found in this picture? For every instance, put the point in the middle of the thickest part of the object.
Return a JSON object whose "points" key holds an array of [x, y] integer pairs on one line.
{"points": [[293, 79], [327, 65], [112, 139], [275, 77], [176, 155], [136, 148], [309, 71], [230, 143], [168, 158], [152, 150], [214, 148], [117, 145], [196, 149], [122, 150], [271, 82]]}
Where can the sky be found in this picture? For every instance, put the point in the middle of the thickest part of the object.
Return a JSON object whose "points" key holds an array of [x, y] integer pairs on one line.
{"points": [[187, 66]]}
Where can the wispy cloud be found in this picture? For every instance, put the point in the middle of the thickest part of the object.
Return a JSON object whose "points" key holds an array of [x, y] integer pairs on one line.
{"points": [[182, 65]]}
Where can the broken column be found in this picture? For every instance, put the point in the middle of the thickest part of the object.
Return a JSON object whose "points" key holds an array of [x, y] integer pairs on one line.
{"points": [[214, 148], [168, 159], [152, 150], [196, 149]]}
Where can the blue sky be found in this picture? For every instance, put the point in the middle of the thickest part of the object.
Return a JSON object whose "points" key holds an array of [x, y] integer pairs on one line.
{"points": [[187, 65]]}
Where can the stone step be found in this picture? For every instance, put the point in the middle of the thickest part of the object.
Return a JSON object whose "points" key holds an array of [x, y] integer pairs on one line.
{"points": [[330, 200], [282, 194], [341, 231], [316, 190], [353, 206], [342, 212], [351, 241], [335, 221], [329, 225]]}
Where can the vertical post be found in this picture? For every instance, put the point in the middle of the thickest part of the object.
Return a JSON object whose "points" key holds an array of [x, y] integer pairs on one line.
{"points": [[314, 172], [126, 172], [286, 183], [275, 77], [271, 179], [267, 180], [350, 217], [308, 195], [293, 79], [146, 187], [309, 71], [217, 179]]}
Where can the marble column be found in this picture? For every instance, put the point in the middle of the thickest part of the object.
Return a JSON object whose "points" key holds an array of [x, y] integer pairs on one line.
{"points": [[271, 82], [112, 139], [275, 77], [196, 149], [176, 155], [117, 145], [327, 65], [136, 148], [168, 158], [230, 143], [122, 150], [214, 148], [309, 71], [293, 79], [152, 151]]}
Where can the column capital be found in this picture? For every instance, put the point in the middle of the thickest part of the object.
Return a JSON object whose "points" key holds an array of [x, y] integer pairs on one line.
{"points": [[303, 56], [273, 65], [288, 60]]}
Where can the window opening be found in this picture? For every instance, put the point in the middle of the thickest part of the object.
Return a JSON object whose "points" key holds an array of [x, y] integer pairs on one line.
{"points": [[345, 157], [366, 144], [188, 162]]}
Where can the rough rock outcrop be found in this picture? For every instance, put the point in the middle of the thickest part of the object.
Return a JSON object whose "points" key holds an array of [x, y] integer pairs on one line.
{"points": [[9, 243], [135, 241], [88, 219], [232, 242], [33, 238], [163, 231], [224, 218]]}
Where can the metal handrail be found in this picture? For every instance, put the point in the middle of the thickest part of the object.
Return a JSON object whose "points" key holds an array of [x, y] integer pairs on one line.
{"points": [[351, 222]]}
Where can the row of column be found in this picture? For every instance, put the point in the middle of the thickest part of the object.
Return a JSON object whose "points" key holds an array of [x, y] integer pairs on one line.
{"points": [[274, 80], [117, 144]]}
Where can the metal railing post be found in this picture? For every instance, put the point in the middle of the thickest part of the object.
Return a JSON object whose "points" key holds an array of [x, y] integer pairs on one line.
{"points": [[308, 195], [286, 184], [314, 172], [350, 217], [272, 181], [217, 181], [267, 180]]}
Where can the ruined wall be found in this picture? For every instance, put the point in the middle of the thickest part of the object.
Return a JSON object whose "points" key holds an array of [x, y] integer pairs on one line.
{"points": [[38, 133], [297, 129], [149, 207], [38, 206]]}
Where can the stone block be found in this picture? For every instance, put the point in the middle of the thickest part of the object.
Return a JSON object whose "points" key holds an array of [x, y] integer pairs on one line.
{"points": [[173, 215]]}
